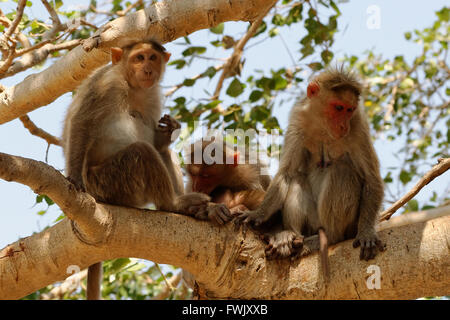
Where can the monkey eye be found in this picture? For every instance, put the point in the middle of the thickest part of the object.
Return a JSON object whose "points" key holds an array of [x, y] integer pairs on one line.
{"points": [[350, 109], [140, 57], [153, 57], [339, 107]]}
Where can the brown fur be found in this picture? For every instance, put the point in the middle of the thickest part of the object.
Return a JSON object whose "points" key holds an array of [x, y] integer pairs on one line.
{"points": [[324, 182], [116, 144]]}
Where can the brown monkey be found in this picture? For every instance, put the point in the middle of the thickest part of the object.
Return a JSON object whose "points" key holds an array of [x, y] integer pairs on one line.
{"points": [[116, 145], [240, 187], [329, 172]]}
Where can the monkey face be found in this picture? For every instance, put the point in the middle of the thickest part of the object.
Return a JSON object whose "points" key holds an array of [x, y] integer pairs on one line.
{"points": [[146, 65], [336, 107]]}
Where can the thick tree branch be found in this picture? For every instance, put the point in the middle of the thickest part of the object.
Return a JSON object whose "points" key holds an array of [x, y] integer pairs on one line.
{"points": [[227, 264], [43, 179], [439, 169], [164, 21]]}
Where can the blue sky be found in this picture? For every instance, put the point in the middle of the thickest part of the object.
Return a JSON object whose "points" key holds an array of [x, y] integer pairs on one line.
{"points": [[18, 216]]}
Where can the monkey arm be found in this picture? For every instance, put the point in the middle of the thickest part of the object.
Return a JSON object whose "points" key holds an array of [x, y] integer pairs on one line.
{"points": [[76, 157], [273, 201], [173, 167], [250, 199], [370, 204]]}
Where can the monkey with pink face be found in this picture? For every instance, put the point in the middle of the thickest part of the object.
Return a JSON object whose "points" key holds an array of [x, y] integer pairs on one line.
{"points": [[328, 182]]}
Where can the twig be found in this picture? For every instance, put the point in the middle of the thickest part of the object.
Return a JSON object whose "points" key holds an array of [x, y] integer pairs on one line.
{"points": [[34, 130], [442, 166], [68, 286], [390, 106], [20, 8], [38, 56], [201, 75], [121, 13], [174, 280], [54, 16], [235, 58], [36, 46], [7, 63], [169, 285]]}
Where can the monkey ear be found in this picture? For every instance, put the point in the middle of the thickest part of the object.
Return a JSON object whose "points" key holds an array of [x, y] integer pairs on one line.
{"points": [[167, 56], [313, 90], [116, 55]]}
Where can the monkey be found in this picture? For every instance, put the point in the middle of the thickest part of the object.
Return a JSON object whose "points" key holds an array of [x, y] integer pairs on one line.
{"points": [[329, 177], [236, 187], [239, 187], [115, 143]]}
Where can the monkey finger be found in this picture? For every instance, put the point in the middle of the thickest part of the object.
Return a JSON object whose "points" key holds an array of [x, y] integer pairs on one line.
{"points": [[380, 245], [297, 243], [266, 238], [356, 243]]}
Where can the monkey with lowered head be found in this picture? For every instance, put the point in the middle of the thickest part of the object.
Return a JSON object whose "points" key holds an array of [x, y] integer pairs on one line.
{"points": [[329, 178], [115, 143], [238, 186]]}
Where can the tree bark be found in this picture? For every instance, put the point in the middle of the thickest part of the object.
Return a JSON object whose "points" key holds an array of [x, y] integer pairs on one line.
{"points": [[164, 21], [228, 264]]}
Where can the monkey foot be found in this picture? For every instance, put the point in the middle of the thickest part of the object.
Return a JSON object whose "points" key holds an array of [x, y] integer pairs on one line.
{"points": [[370, 245], [283, 244]]}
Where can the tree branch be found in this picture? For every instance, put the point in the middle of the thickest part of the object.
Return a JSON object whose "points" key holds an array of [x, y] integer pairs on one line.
{"points": [[34, 130], [228, 264], [442, 166], [44, 179], [20, 8], [165, 21]]}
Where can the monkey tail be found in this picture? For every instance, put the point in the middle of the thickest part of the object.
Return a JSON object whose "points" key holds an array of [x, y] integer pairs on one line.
{"points": [[94, 282], [323, 248]]}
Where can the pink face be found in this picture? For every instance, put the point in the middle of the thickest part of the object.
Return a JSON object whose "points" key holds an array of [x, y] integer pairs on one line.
{"points": [[144, 64], [338, 115], [204, 178], [337, 111]]}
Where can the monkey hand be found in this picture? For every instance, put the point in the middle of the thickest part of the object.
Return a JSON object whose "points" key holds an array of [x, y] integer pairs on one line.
{"points": [[369, 243], [282, 245], [166, 132], [217, 213], [77, 182], [191, 203], [252, 218]]}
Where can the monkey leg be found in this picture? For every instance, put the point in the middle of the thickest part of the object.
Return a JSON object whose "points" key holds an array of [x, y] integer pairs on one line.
{"points": [[135, 176]]}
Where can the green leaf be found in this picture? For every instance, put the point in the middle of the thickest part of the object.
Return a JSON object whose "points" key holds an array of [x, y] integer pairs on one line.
{"points": [[39, 198], [180, 63], [188, 82], [48, 200], [413, 205], [327, 56], [407, 35], [278, 20], [405, 177], [194, 50], [235, 88], [210, 72], [255, 95], [218, 29]]}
